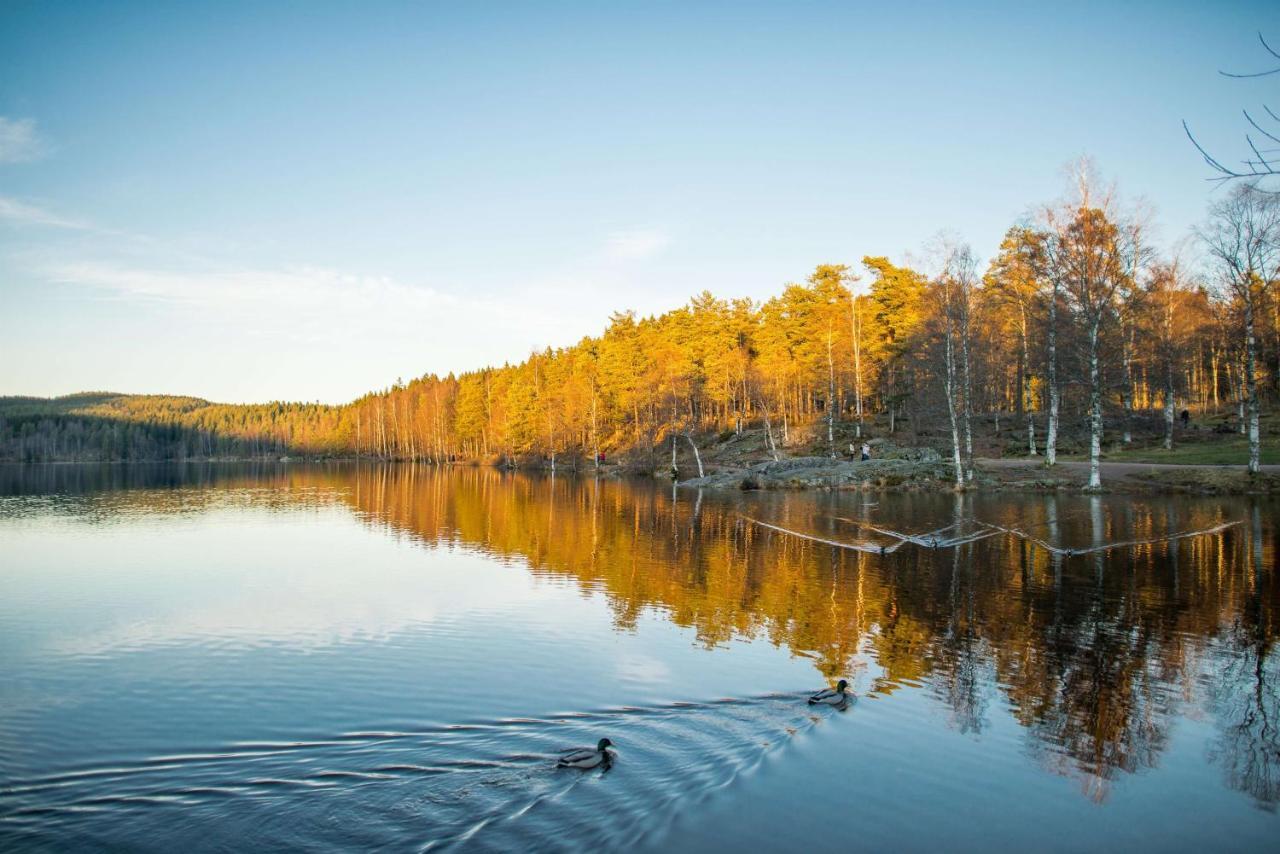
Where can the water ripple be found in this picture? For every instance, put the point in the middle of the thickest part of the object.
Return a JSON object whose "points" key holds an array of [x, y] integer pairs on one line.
{"points": [[485, 784]]}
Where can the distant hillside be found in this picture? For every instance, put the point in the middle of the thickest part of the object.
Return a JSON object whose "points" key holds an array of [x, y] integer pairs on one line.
{"points": [[104, 426], [100, 403]]}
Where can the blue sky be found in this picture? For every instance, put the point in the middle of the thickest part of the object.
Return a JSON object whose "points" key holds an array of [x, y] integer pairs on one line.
{"points": [[306, 201]]}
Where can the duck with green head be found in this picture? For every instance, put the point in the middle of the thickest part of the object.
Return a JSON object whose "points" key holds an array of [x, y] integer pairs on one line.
{"points": [[587, 757], [829, 697]]}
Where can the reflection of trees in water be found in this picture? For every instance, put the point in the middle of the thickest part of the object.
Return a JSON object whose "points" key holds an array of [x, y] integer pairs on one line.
{"points": [[1245, 693], [1095, 654]]}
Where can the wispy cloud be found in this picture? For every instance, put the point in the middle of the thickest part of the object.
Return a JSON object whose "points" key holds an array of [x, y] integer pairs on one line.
{"points": [[19, 140], [634, 245], [13, 210], [233, 289], [313, 332], [314, 307]]}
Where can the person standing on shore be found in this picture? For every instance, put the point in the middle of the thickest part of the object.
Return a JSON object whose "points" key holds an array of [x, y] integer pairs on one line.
{"points": [[866, 452]]}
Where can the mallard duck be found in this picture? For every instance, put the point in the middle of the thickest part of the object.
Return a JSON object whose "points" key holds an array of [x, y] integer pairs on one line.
{"points": [[586, 757], [828, 697]]}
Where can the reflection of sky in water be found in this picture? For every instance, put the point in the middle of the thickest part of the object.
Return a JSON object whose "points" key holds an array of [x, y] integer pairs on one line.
{"points": [[1002, 688], [267, 581]]}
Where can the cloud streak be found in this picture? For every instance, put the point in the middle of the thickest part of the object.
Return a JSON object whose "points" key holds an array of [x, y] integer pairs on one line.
{"points": [[15, 211], [19, 141], [635, 245], [313, 318], [258, 332]]}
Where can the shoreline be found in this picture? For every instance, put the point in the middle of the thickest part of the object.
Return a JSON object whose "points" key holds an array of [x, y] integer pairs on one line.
{"points": [[930, 474], [1028, 475]]}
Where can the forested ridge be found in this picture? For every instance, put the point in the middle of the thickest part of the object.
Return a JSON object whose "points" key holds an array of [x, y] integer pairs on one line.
{"points": [[1078, 331]]}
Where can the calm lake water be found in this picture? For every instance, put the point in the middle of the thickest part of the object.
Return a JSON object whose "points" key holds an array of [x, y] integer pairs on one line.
{"points": [[231, 657]]}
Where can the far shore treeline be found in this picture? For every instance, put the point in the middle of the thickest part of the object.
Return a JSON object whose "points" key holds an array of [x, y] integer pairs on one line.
{"points": [[1076, 329]]}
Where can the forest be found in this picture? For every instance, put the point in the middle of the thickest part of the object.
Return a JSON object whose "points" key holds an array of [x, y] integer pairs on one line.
{"points": [[1078, 335]]}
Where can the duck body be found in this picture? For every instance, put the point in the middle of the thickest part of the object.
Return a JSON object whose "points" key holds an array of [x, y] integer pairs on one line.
{"points": [[587, 757], [832, 697]]}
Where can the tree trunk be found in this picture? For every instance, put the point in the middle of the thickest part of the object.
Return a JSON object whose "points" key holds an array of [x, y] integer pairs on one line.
{"points": [[595, 439], [1095, 410], [857, 362], [831, 398], [968, 383], [1126, 393], [892, 422], [1051, 440], [950, 382], [696, 456], [1242, 395], [1168, 375], [768, 432], [1251, 383], [1213, 366], [1024, 385]]}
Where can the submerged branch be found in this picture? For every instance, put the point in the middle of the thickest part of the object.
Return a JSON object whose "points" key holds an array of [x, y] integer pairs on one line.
{"points": [[930, 539], [857, 547], [1058, 550]]}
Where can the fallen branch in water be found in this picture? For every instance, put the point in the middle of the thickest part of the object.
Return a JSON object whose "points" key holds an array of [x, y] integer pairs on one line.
{"points": [[930, 540], [960, 541], [857, 547], [1029, 538], [1058, 550]]}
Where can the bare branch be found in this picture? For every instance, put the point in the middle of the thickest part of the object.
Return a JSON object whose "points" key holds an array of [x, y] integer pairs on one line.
{"points": [[1264, 167], [1268, 134], [1268, 49]]}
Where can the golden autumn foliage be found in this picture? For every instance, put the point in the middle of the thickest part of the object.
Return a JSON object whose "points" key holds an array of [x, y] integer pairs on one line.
{"points": [[832, 350]]}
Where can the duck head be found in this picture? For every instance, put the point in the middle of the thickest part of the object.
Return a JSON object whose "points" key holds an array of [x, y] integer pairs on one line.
{"points": [[603, 743], [842, 685]]}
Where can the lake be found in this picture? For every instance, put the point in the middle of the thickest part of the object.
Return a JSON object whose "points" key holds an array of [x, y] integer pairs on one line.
{"points": [[235, 656]]}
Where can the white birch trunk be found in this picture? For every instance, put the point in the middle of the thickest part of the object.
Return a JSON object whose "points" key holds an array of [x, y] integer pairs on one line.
{"points": [[857, 362], [1051, 440], [1251, 385], [1026, 384], [595, 439], [831, 398], [968, 384], [1095, 410], [1126, 357], [696, 455], [1168, 375], [950, 383], [768, 432]]}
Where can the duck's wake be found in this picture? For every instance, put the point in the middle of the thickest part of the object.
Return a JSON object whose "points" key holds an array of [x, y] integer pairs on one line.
{"points": [[485, 784]]}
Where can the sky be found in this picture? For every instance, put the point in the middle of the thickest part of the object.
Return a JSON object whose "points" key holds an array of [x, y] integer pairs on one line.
{"points": [[308, 201]]}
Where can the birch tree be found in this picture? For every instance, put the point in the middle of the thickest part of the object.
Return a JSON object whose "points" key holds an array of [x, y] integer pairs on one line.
{"points": [[855, 333], [1243, 239], [956, 287], [1015, 279], [1091, 257]]}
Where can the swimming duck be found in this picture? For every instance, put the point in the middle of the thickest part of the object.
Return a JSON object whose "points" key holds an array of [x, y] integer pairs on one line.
{"points": [[586, 757], [828, 697]]}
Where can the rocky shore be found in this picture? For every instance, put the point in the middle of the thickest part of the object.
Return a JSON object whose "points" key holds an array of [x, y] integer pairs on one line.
{"points": [[925, 469]]}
